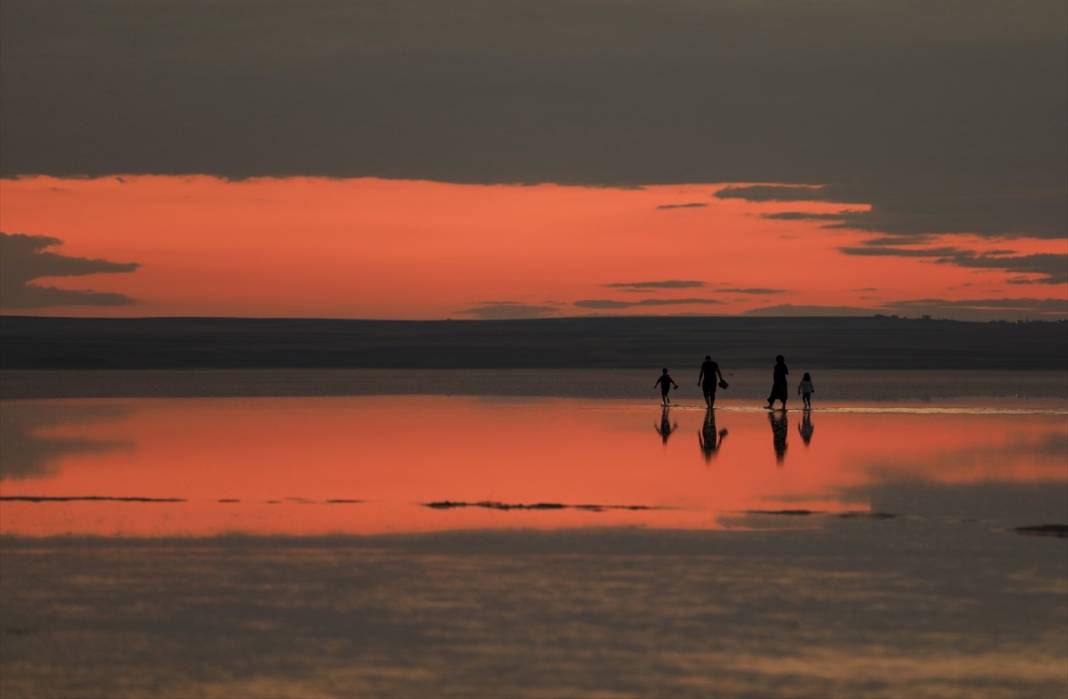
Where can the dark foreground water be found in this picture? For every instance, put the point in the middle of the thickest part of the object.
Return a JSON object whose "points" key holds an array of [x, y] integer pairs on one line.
{"points": [[501, 546]]}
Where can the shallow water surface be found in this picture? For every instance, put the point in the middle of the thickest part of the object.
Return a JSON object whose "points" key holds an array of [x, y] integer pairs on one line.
{"points": [[376, 464], [434, 545]]}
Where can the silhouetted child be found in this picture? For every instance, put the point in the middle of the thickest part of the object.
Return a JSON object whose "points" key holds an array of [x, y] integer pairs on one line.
{"points": [[665, 382], [805, 390]]}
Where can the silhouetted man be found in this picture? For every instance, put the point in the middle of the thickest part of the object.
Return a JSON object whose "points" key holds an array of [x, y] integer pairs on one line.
{"points": [[709, 378]]}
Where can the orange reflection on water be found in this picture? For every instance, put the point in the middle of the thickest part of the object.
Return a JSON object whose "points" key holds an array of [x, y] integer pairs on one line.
{"points": [[364, 465]]}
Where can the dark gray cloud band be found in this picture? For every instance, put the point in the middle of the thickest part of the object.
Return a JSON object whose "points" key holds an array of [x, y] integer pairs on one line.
{"points": [[914, 210], [1046, 268], [617, 304], [788, 310], [946, 117], [508, 310], [772, 192], [25, 258], [957, 309], [752, 290], [656, 285], [687, 205], [983, 309]]}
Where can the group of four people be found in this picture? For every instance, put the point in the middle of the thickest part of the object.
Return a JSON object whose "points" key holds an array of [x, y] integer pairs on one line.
{"points": [[711, 377], [710, 439]]}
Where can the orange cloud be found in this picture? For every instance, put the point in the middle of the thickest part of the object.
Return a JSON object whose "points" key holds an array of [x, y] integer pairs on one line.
{"points": [[376, 248]]}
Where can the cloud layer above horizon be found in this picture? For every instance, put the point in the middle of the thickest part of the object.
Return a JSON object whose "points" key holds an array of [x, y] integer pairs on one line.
{"points": [[25, 258], [859, 140], [372, 248], [945, 117]]}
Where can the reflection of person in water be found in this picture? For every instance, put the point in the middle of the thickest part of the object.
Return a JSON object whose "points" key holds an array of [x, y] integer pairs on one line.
{"points": [[709, 379], [805, 428], [665, 428], [779, 388], [709, 439], [780, 428]]}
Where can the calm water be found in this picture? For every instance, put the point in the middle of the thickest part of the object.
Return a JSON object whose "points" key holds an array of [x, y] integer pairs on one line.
{"points": [[376, 464], [576, 547]]}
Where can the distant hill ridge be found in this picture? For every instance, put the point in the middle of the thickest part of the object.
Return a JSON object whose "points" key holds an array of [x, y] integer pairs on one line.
{"points": [[28, 342]]}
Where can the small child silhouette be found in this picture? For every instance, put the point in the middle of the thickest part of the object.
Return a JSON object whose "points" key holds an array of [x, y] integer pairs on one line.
{"points": [[665, 382], [805, 389]]}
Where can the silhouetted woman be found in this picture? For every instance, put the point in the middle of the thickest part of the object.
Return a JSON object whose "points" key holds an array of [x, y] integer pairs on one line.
{"points": [[779, 389]]}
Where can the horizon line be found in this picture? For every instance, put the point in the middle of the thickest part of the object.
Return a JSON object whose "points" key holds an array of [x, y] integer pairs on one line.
{"points": [[871, 316]]}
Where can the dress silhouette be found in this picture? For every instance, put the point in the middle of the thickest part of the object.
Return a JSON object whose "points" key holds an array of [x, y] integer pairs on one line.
{"points": [[779, 388]]}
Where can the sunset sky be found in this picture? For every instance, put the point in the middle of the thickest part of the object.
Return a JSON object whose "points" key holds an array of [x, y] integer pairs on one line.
{"points": [[425, 160]]}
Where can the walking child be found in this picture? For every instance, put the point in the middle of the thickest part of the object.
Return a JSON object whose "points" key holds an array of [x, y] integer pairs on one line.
{"points": [[805, 390], [665, 382]]}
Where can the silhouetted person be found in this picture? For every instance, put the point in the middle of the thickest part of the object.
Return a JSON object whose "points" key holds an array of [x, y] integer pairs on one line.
{"points": [[805, 428], [665, 382], [665, 428], [805, 389], [709, 439], [709, 379], [780, 428], [779, 387]]}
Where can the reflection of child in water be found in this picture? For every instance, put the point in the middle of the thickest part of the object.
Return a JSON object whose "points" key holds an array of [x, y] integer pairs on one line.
{"points": [[665, 428], [665, 382], [805, 428], [805, 389]]}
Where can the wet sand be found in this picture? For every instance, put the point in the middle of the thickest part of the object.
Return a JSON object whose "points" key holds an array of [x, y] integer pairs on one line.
{"points": [[974, 388], [859, 609]]}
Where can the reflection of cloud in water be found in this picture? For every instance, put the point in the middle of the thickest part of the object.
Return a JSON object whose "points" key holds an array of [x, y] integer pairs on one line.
{"points": [[30, 451], [1041, 501], [908, 486], [513, 453], [945, 464]]}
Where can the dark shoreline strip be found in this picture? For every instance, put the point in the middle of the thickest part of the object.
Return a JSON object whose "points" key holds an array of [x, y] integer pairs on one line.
{"points": [[1058, 530], [492, 505], [852, 514], [83, 498]]}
